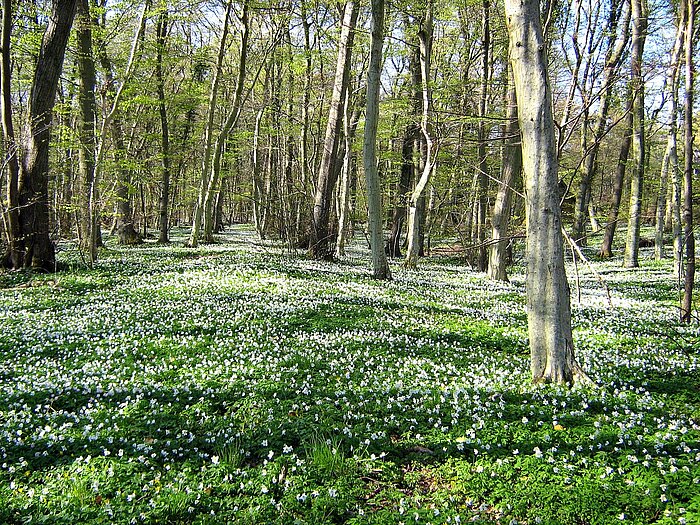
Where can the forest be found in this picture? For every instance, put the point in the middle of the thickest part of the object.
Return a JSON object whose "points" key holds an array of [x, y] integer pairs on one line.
{"points": [[299, 261]]}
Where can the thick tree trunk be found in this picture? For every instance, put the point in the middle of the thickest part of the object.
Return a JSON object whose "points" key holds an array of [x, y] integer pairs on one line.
{"points": [[548, 311], [510, 172], [380, 266], [320, 245], [34, 248], [639, 24], [689, 235], [86, 155], [164, 198]]}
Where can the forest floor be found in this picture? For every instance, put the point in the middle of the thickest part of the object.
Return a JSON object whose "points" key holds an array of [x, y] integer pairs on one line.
{"points": [[238, 383]]}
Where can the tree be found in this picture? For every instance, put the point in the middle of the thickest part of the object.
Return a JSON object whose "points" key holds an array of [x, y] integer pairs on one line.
{"points": [[320, 232], [639, 25], [161, 35], [30, 243], [14, 256], [511, 166], [613, 213], [688, 234], [482, 168], [416, 214], [113, 123], [380, 266], [86, 136], [613, 58], [548, 304]]}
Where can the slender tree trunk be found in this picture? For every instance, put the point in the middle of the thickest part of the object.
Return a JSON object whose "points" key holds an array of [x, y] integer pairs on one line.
{"points": [[86, 154], [615, 51], [688, 234], [214, 170], [304, 160], [511, 170], [639, 24], [670, 159], [164, 200], [350, 128], [209, 132], [15, 254], [416, 215], [258, 191], [549, 314], [380, 266], [35, 248], [483, 180], [320, 245], [613, 214]]}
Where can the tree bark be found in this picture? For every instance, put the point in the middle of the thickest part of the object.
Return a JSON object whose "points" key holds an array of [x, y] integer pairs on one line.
{"points": [[548, 311], [86, 154], [15, 253], [320, 245], [483, 180], [164, 198], [670, 159], [34, 249], [689, 235], [380, 266], [639, 24], [510, 172], [416, 215], [613, 58], [406, 175], [613, 214], [350, 122]]}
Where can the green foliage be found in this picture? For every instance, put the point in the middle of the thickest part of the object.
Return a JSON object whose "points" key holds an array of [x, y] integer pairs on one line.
{"points": [[221, 385]]}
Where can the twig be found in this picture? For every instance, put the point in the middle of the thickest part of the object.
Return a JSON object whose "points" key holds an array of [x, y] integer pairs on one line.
{"points": [[575, 248]]}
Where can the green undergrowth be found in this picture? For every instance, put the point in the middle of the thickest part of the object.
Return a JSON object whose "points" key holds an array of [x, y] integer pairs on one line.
{"points": [[237, 383]]}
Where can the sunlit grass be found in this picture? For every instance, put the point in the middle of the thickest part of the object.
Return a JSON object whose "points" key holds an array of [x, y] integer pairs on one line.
{"points": [[238, 383]]}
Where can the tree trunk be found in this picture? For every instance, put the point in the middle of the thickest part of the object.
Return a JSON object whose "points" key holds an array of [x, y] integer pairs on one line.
{"points": [[416, 215], [613, 58], [639, 24], [350, 128], [210, 188], [209, 132], [15, 253], [670, 159], [34, 248], [483, 180], [689, 235], [320, 245], [380, 266], [164, 199], [613, 214], [86, 154], [511, 170], [548, 311], [407, 168]]}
